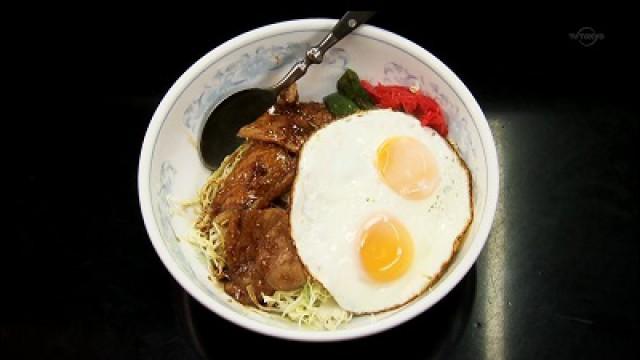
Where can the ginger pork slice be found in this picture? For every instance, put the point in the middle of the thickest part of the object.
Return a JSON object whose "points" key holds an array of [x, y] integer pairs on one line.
{"points": [[264, 172]]}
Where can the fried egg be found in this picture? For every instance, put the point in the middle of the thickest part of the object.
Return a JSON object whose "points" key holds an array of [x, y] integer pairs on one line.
{"points": [[379, 207]]}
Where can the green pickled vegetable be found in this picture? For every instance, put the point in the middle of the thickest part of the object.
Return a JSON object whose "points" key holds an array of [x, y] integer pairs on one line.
{"points": [[349, 86], [340, 105]]}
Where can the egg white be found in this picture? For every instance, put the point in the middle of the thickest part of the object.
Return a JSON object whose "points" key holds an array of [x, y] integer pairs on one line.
{"points": [[338, 188]]}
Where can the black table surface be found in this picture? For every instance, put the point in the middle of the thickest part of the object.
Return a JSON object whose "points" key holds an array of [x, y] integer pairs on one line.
{"points": [[558, 278]]}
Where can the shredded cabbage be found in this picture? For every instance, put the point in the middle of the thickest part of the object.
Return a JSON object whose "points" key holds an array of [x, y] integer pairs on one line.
{"points": [[310, 306], [211, 246]]}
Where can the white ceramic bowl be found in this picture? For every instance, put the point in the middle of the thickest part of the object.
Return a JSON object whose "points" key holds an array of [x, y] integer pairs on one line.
{"points": [[170, 168]]}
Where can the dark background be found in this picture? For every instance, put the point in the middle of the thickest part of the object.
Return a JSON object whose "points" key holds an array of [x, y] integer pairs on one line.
{"points": [[558, 278]]}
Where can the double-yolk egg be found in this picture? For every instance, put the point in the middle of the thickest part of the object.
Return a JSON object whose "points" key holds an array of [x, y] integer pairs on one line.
{"points": [[379, 203]]}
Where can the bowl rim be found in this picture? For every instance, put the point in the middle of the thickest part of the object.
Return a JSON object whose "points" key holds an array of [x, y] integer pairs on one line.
{"points": [[418, 307]]}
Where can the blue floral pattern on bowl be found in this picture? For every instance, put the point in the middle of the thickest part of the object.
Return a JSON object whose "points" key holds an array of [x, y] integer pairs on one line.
{"points": [[167, 173], [240, 73]]}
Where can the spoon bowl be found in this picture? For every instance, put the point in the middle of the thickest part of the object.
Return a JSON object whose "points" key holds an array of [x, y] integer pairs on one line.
{"points": [[219, 133]]}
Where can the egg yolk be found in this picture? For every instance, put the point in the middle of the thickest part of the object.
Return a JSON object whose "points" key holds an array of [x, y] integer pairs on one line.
{"points": [[408, 167], [386, 249]]}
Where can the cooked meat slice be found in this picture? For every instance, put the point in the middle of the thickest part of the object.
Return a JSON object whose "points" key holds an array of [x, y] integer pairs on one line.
{"points": [[289, 126], [240, 254], [260, 255], [286, 272], [309, 115], [265, 172], [276, 128], [282, 267], [288, 96]]}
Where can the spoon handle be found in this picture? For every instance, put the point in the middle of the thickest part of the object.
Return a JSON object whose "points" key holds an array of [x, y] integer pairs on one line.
{"points": [[349, 22]]}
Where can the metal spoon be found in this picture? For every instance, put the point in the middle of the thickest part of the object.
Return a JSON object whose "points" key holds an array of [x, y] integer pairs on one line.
{"points": [[218, 137]]}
